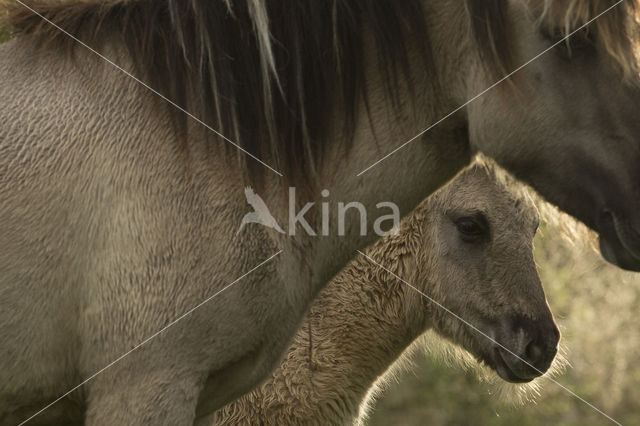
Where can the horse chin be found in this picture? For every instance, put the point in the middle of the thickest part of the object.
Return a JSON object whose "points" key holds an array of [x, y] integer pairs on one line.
{"points": [[511, 373], [619, 243], [493, 358]]}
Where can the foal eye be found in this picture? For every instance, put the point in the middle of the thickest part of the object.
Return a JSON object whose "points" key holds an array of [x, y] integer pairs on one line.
{"points": [[472, 228]]}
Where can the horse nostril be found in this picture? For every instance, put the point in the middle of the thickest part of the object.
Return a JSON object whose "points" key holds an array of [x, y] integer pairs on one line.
{"points": [[536, 341], [530, 347], [540, 351], [533, 352]]}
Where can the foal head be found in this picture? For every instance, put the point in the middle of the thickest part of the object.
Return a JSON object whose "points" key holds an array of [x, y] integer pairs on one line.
{"points": [[478, 262]]}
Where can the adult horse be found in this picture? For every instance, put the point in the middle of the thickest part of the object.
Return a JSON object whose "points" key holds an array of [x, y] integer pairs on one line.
{"points": [[118, 213]]}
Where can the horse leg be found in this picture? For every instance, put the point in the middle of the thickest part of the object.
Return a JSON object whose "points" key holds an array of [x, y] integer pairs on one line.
{"points": [[132, 395]]}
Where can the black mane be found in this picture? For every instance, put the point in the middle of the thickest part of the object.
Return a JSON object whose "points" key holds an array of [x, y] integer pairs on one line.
{"points": [[266, 74]]}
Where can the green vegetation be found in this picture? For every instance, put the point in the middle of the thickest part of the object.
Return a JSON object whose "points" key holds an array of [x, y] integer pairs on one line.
{"points": [[596, 306], [4, 35]]}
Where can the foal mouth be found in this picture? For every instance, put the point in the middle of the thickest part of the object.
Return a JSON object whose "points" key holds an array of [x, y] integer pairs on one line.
{"points": [[507, 372]]}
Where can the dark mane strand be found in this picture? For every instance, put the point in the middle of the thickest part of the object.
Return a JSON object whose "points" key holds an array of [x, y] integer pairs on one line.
{"points": [[490, 32], [270, 74], [267, 74]]}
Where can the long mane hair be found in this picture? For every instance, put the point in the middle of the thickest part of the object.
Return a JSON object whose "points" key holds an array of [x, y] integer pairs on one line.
{"points": [[269, 74]]}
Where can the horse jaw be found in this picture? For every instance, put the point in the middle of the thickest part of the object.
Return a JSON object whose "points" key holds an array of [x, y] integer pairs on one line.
{"points": [[619, 243]]}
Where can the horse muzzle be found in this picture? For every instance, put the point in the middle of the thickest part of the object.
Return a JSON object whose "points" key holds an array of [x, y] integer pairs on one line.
{"points": [[619, 242], [526, 351]]}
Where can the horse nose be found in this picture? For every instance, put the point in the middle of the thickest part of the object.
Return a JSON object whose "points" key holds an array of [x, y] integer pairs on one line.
{"points": [[537, 344], [542, 348], [527, 348]]}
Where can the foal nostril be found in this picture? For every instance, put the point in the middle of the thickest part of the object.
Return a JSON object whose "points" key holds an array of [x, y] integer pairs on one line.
{"points": [[533, 352], [540, 350], [535, 341], [528, 350]]}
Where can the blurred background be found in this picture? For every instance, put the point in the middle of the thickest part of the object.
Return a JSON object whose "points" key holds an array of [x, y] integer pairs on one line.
{"points": [[597, 308]]}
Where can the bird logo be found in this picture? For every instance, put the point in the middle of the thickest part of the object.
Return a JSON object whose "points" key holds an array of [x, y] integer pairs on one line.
{"points": [[261, 213]]}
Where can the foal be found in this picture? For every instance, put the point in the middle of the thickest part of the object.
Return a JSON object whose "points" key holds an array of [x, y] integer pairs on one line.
{"points": [[468, 248]]}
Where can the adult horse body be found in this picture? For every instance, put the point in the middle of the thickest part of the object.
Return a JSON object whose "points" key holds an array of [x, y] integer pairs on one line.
{"points": [[117, 217]]}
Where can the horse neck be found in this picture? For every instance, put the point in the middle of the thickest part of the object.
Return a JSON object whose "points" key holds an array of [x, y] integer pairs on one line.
{"points": [[365, 322], [356, 329], [418, 168]]}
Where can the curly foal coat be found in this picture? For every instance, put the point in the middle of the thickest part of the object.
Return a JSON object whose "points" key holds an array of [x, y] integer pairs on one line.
{"points": [[364, 320]]}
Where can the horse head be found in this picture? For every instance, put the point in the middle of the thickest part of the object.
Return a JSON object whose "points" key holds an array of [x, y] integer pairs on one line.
{"points": [[479, 265]]}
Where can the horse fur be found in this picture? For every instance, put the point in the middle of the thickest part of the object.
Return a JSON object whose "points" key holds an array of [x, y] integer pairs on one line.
{"points": [[365, 319]]}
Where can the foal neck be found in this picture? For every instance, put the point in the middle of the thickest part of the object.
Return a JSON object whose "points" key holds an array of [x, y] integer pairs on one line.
{"points": [[356, 329]]}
